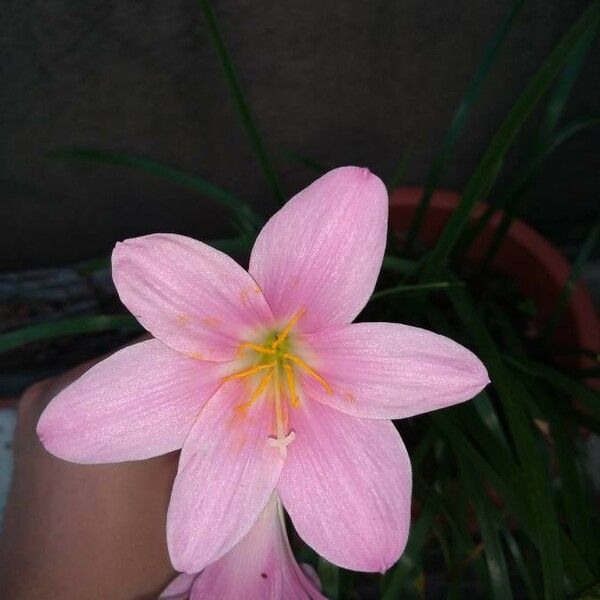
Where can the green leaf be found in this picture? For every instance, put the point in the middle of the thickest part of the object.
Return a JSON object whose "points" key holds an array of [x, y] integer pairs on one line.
{"points": [[240, 101], [410, 560], [397, 264], [400, 169], [330, 578], [582, 257], [459, 119], [563, 88], [522, 109], [511, 200], [307, 161], [523, 569], [492, 546], [243, 214], [513, 395], [63, 327], [417, 287], [572, 387]]}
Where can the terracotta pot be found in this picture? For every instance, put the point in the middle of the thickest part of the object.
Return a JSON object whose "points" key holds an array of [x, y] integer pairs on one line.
{"points": [[537, 267]]}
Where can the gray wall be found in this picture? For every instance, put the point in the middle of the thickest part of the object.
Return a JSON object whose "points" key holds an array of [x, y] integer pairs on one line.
{"points": [[343, 81]]}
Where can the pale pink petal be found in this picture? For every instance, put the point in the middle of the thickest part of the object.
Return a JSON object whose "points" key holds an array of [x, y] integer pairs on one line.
{"points": [[137, 403], [260, 567], [227, 472], [346, 485], [179, 588], [387, 370], [323, 250], [194, 298]]}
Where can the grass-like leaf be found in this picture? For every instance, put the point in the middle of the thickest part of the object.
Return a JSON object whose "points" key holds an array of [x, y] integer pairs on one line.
{"points": [[406, 567], [460, 118], [329, 574], [240, 101], [492, 545], [397, 290], [546, 141], [512, 198], [64, 327], [398, 174], [243, 215], [582, 256], [522, 109], [537, 485], [307, 161]]}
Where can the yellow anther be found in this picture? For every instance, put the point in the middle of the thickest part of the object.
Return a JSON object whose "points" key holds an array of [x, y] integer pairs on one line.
{"points": [[264, 382], [286, 330], [289, 375], [309, 370], [255, 347], [248, 372]]}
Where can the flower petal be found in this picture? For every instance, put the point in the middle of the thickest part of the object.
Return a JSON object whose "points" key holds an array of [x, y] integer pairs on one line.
{"points": [[137, 403], [227, 472], [192, 297], [179, 588], [346, 485], [260, 566], [387, 370], [323, 250]]}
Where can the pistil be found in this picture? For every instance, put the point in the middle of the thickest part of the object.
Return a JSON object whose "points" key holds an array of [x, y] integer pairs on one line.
{"points": [[280, 371]]}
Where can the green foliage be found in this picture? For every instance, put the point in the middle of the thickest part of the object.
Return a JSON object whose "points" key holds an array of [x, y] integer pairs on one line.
{"points": [[478, 185], [64, 327], [240, 101]]}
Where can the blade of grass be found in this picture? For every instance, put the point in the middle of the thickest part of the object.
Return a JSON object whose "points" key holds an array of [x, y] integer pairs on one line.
{"points": [[397, 264], [582, 257], [563, 88], [63, 327], [572, 387], [241, 212], [500, 143], [240, 101], [537, 485], [511, 200], [459, 119], [306, 161], [398, 174], [577, 500], [420, 531], [417, 287], [329, 575], [487, 413], [523, 569], [492, 545]]}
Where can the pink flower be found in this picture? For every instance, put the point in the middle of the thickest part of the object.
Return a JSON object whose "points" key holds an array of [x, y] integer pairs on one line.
{"points": [[259, 567], [266, 384]]}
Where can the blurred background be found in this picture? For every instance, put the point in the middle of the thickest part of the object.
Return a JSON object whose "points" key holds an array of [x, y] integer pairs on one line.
{"points": [[342, 82]]}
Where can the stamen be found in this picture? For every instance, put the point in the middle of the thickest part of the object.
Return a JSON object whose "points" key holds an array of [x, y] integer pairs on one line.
{"points": [[289, 374], [309, 370], [255, 347], [248, 372], [264, 382], [286, 330]]}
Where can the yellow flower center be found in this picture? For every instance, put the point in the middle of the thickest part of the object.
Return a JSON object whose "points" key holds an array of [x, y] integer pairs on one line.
{"points": [[277, 366]]}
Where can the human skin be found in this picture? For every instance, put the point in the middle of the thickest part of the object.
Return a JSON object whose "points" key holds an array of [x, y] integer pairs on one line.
{"points": [[82, 531]]}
